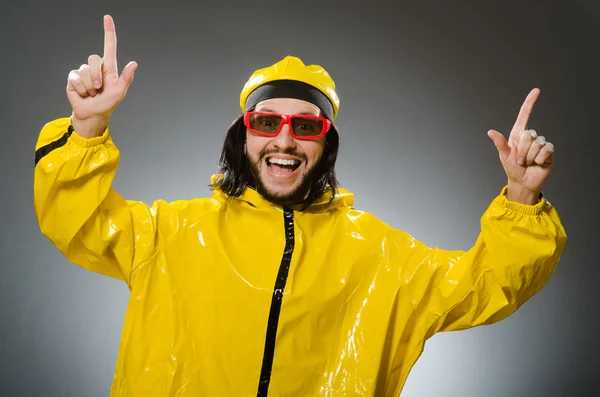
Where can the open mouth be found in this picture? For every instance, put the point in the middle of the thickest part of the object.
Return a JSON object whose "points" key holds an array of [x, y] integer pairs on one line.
{"points": [[282, 165]]}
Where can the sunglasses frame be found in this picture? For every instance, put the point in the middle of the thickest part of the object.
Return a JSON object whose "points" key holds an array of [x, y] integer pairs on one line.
{"points": [[287, 119]]}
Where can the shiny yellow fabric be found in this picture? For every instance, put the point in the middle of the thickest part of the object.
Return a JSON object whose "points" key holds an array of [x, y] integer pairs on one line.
{"points": [[360, 300], [292, 68]]}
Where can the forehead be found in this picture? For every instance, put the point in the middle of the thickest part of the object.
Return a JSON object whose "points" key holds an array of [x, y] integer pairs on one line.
{"points": [[288, 105]]}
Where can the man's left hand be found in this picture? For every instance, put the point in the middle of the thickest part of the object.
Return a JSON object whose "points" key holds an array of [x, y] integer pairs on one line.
{"points": [[527, 157]]}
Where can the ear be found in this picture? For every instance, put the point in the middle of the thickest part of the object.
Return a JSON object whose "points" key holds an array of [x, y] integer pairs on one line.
{"points": [[245, 148]]}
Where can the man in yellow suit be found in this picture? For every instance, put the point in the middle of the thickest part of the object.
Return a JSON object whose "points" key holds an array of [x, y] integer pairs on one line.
{"points": [[277, 285]]}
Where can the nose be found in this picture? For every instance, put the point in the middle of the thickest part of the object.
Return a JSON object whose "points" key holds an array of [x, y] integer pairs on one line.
{"points": [[284, 140]]}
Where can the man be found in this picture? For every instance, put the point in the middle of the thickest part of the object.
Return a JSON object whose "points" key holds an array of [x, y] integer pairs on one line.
{"points": [[276, 285]]}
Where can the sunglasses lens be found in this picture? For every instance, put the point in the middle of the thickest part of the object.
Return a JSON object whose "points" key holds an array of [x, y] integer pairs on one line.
{"points": [[266, 123], [307, 126]]}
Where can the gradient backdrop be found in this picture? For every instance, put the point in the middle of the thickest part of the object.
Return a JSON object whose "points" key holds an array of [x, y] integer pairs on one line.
{"points": [[420, 84]]}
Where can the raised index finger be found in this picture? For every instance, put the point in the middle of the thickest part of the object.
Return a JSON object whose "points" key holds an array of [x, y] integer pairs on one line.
{"points": [[525, 112], [110, 46]]}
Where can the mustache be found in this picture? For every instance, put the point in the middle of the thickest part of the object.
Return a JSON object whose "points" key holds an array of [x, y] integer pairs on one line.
{"points": [[291, 152]]}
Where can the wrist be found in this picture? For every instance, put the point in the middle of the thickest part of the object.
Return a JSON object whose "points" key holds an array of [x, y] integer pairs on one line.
{"points": [[89, 128], [519, 194]]}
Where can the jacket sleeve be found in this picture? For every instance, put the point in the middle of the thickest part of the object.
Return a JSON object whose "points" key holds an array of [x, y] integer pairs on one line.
{"points": [[76, 208], [516, 252]]}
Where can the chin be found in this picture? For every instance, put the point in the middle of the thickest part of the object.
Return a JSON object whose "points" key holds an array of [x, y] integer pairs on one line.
{"points": [[288, 194], [280, 191], [285, 189]]}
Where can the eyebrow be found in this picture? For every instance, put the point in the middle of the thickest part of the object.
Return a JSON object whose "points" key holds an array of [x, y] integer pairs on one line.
{"points": [[273, 111]]}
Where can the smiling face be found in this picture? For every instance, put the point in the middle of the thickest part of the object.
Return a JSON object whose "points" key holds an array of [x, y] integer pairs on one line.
{"points": [[282, 166]]}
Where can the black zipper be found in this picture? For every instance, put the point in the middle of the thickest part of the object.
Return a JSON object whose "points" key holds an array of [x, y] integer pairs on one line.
{"points": [[276, 300]]}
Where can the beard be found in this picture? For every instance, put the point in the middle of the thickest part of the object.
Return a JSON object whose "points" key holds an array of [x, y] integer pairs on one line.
{"points": [[295, 197]]}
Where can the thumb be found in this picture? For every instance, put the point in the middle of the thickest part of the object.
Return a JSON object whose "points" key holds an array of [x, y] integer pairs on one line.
{"points": [[500, 143], [127, 74]]}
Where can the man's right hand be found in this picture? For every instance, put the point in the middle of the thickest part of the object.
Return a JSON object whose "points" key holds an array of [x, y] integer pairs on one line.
{"points": [[95, 89]]}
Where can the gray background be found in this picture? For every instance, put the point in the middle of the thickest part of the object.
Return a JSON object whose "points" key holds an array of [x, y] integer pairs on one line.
{"points": [[420, 84]]}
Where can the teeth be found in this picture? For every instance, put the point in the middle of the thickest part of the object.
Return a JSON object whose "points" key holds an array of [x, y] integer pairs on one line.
{"points": [[273, 160]]}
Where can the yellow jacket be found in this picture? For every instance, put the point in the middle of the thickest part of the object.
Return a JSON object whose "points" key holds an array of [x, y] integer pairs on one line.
{"points": [[237, 297]]}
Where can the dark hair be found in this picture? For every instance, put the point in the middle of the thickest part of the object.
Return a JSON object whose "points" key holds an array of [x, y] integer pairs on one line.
{"points": [[235, 172]]}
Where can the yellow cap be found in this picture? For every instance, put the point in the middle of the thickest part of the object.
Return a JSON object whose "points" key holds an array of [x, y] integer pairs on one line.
{"points": [[292, 68]]}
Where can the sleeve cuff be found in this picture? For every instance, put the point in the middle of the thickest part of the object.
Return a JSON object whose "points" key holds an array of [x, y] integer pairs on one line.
{"points": [[524, 209], [87, 142]]}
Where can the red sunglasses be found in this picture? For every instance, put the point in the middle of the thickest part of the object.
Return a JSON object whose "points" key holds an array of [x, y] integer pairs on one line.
{"points": [[302, 126]]}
